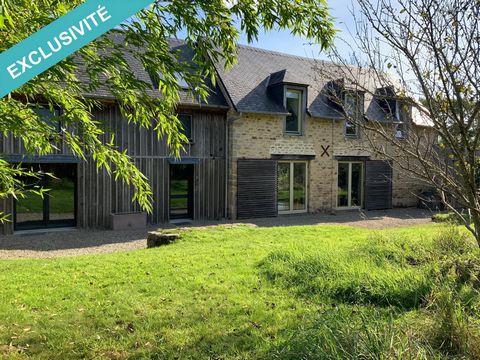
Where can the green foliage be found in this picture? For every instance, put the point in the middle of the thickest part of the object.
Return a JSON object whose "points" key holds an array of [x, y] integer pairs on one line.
{"points": [[211, 33]]}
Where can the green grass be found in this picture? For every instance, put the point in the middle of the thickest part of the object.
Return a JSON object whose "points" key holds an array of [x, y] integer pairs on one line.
{"points": [[311, 292]]}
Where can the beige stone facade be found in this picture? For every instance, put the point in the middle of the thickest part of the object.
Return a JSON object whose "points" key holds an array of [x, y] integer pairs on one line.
{"points": [[259, 136]]}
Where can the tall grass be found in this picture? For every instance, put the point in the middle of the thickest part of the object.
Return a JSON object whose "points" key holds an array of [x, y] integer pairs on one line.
{"points": [[381, 273], [414, 299]]}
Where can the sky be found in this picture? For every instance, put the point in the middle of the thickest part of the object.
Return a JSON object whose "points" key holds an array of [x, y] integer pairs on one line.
{"points": [[283, 41]]}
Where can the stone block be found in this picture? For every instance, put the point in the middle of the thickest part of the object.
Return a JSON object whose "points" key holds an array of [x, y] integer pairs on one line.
{"points": [[156, 239]]}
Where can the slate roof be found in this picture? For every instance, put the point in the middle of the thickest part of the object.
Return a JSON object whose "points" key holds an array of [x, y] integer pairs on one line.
{"points": [[256, 69], [215, 98], [248, 83]]}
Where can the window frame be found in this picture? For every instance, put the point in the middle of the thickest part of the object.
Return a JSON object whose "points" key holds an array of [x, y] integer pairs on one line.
{"points": [[362, 181], [358, 110], [301, 110], [399, 120], [292, 163], [191, 138]]}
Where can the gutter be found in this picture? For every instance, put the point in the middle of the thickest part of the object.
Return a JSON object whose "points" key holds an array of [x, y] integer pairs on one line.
{"points": [[230, 118]]}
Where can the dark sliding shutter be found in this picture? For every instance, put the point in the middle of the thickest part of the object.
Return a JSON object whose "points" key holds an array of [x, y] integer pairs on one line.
{"points": [[378, 185], [256, 188]]}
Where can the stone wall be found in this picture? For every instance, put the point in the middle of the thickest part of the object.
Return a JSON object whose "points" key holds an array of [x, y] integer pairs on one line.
{"points": [[258, 136]]}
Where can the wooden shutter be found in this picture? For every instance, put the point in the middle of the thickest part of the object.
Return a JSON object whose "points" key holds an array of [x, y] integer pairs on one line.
{"points": [[378, 185], [256, 188]]}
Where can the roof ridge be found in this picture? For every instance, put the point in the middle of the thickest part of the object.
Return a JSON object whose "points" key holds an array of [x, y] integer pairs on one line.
{"points": [[279, 53]]}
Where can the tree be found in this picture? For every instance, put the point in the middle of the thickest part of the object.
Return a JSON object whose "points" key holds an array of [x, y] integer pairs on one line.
{"points": [[210, 30], [426, 54]]}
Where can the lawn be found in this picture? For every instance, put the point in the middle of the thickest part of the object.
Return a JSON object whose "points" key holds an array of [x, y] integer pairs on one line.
{"points": [[248, 293]]}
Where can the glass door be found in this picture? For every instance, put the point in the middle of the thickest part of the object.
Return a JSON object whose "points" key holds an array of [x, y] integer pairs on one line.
{"points": [[57, 207], [283, 195], [292, 187], [181, 191], [61, 196], [30, 209], [350, 185]]}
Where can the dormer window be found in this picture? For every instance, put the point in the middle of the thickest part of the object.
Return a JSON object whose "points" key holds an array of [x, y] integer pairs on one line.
{"points": [[181, 81], [179, 78], [395, 110], [400, 119], [353, 109], [293, 104], [387, 100]]}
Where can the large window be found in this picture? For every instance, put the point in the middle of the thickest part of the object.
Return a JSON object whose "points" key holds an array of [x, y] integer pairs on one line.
{"points": [[350, 185], [292, 187], [293, 103], [57, 207], [352, 106], [186, 121]]}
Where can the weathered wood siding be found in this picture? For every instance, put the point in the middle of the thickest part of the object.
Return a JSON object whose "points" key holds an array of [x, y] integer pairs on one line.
{"points": [[6, 206], [99, 195]]}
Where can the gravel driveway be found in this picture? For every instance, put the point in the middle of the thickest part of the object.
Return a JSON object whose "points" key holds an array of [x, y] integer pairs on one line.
{"points": [[82, 242]]}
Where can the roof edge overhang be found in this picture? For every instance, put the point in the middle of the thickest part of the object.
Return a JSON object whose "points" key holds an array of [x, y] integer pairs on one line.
{"points": [[41, 159], [182, 104]]}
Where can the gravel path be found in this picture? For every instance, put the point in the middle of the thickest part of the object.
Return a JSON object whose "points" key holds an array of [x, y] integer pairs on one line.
{"points": [[357, 218], [82, 242], [69, 243]]}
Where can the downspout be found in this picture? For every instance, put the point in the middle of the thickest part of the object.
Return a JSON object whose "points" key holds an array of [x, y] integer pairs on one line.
{"points": [[333, 200], [232, 106], [230, 118], [227, 165]]}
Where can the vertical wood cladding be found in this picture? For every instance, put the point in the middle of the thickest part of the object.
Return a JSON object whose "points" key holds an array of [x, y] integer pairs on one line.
{"points": [[99, 194], [256, 188], [6, 207], [378, 185]]}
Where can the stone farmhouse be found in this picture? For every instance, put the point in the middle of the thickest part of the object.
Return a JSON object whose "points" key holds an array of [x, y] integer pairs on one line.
{"points": [[268, 142]]}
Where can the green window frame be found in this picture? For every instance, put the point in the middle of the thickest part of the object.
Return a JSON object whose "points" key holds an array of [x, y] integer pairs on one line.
{"points": [[294, 106]]}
